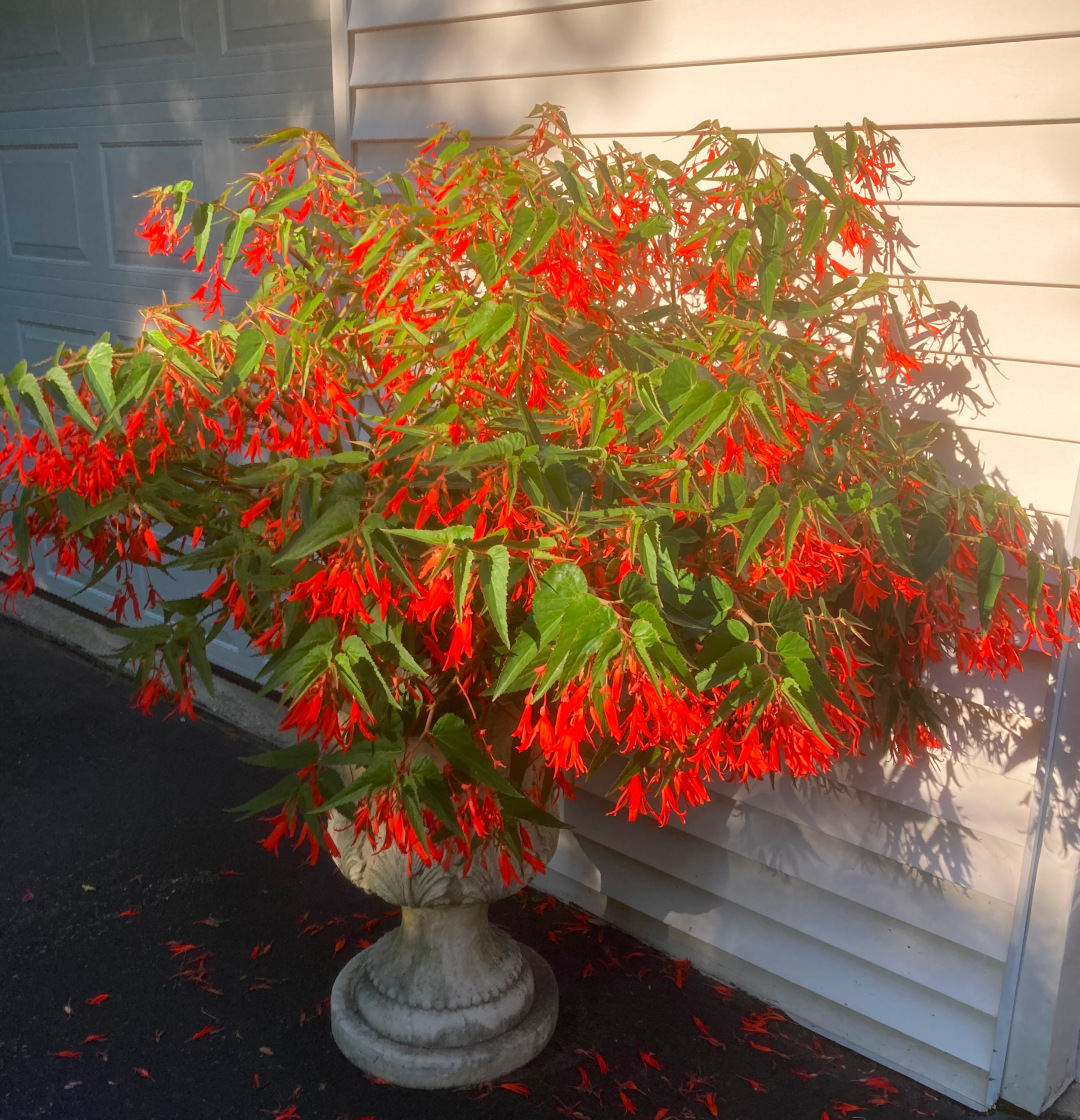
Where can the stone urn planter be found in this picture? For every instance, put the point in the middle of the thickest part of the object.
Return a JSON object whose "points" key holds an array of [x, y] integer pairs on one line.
{"points": [[445, 1000]]}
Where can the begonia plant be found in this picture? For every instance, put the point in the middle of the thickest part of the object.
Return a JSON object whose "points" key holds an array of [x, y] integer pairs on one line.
{"points": [[544, 458]]}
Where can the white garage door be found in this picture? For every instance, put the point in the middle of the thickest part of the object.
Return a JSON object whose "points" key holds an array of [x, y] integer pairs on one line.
{"points": [[101, 99]]}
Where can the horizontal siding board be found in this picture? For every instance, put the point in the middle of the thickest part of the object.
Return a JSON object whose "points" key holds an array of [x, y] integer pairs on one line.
{"points": [[944, 848], [861, 1033], [1022, 164], [1040, 472], [1022, 694], [895, 89], [891, 888], [1018, 322], [954, 970], [951, 1027], [1023, 398], [918, 816], [947, 787], [1004, 244], [999, 741], [668, 33]]}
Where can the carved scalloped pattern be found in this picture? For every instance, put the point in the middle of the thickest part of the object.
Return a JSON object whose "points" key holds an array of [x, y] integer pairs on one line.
{"points": [[386, 873]]}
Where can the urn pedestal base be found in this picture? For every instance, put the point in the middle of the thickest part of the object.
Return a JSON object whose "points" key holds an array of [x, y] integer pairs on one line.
{"points": [[446, 1000], [446, 1066]]}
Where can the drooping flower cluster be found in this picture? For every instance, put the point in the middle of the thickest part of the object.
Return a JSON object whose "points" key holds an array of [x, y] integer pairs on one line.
{"points": [[531, 462]]}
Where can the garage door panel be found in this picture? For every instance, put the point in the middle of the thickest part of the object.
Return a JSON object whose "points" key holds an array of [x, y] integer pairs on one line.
{"points": [[196, 101], [30, 41], [38, 341], [258, 24], [40, 209], [101, 100], [130, 169], [120, 31]]}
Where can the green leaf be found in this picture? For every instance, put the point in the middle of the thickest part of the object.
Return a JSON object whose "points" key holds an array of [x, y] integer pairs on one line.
{"points": [[653, 226], [991, 574], [699, 402], [677, 382], [798, 702], [766, 511], [486, 261], [298, 663], [792, 645], [545, 227], [585, 625], [791, 525], [287, 197], [813, 226], [734, 255], [874, 283], [494, 572], [289, 758], [58, 377], [488, 323], [98, 374], [250, 347], [768, 277], [460, 748], [234, 235], [1034, 584], [524, 224], [463, 563], [331, 526], [31, 392], [560, 585], [271, 799], [354, 651], [931, 547], [197, 653], [772, 226], [384, 639], [200, 229], [890, 530]]}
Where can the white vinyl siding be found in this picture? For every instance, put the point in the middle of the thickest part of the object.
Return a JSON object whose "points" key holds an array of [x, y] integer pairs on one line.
{"points": [[876, 905]]}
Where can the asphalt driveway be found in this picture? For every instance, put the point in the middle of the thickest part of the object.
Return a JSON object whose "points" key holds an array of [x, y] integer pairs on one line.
{"points": [[157, 964]]}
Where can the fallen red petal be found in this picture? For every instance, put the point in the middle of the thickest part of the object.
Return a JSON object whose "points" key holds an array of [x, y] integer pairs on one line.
{"points": [[142, 1072], [65, 1054], [129, 913], [709, 1101], [203, 1032], [339, 945], [515, 1087], [649, 1060], [880, 1083], [93, 1001], [94, 1038], [627, 1103], [29, 897]]}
